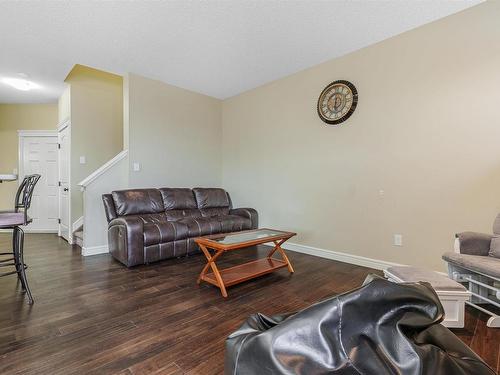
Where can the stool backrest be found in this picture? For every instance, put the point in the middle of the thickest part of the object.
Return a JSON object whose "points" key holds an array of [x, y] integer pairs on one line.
{"points": [[25, 193]]}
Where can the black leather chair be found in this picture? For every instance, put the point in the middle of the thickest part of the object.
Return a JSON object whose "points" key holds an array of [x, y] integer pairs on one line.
{"points": [[14, 220], [380, 328]]}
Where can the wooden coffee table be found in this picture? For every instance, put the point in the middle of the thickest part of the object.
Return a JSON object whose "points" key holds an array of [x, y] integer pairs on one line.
{"points": [[221, 243]]}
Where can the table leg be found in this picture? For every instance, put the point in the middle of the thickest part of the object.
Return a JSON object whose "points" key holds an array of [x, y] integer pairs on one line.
{"points": [[277, 247], [211, 263]]}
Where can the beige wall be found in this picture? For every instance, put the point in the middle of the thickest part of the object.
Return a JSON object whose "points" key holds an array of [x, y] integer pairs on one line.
{"points": [[14, 117], [64, 105], [426, 132], [175, 135], [96, 125]]}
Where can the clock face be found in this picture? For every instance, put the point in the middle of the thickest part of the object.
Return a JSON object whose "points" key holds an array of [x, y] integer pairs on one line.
{"points": [[337, 102]]}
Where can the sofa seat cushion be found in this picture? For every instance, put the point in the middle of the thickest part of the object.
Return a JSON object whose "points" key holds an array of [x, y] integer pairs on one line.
{"points": [[182, 214], [214, 211], [201, 226], [233, 223], [164, 231], [483, 264]]}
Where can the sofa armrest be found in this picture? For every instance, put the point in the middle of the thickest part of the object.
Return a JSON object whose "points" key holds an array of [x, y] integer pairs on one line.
{"points": [[126, 240], [248, 213], [472, 243]]}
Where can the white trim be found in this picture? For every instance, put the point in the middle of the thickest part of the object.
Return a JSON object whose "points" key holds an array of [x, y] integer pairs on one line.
{"points": [[63, 124], [94, 175], [94, 250], [66, 123], [77, 224], [37, 133], [338, 256], [27, 230]]}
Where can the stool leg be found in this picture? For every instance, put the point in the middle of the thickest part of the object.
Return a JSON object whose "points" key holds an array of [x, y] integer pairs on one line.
{"points": [[15, 242], [20, 249]]}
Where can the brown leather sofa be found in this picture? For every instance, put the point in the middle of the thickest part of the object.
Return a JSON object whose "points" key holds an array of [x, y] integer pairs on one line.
{"points": [[148, 225]]}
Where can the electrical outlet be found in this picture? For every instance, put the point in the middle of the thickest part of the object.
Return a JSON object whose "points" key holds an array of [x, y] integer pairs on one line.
{"points": [[136, 167], [398, 240], [83, 160]]}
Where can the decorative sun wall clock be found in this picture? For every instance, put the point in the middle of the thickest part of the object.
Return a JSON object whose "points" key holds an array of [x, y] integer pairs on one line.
{"points": [[337, 102]]}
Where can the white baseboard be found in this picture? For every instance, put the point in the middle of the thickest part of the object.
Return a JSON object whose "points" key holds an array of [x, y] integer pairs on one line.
{"points": [[341, 257], [77, 224], [40, 230], [94, 250], [26, 230]]}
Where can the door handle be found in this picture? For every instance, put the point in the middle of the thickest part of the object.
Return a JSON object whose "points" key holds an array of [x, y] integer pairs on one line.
{"points": [[65, 189]]}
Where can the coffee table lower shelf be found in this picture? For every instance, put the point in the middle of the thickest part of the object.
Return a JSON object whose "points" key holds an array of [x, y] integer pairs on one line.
{"points": [[245, 271]]}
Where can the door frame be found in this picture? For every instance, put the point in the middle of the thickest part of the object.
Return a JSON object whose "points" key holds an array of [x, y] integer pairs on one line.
{"points": [[21, 135], [66, 123]]}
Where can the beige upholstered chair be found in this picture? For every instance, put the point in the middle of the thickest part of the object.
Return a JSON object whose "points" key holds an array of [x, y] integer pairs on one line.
{"points": [[476, 263]]}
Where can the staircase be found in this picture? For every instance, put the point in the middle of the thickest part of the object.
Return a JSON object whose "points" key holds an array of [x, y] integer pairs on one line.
{"points": [[78, 237], [113, 175]]}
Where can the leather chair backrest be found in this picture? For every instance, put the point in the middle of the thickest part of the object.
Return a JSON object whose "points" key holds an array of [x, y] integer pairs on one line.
{"points": [[137, 201], [212, 201], [496, 225]]}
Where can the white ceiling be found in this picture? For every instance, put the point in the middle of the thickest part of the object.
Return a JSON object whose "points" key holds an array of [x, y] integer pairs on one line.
{"points": [[219, 48]]}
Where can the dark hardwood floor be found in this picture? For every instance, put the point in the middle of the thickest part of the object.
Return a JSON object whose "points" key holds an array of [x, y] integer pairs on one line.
{"points": [[94, 316]]}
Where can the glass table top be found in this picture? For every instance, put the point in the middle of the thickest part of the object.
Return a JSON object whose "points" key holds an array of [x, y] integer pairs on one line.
{"points": [[246, 236]]}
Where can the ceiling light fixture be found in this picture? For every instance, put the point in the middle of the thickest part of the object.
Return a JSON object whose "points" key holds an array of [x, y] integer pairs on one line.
{"points": [[20, 84]]}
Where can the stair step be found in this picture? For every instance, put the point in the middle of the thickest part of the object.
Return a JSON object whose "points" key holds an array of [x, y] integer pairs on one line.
{"points": [[78, 238]]}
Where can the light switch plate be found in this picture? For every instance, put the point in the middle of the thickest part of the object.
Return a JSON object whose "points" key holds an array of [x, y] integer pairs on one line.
{"points": [[83, 160], [136, 167]]}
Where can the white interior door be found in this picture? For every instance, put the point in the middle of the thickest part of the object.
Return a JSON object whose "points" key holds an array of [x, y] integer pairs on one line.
{"points": [[64, 179], [39, 155]]}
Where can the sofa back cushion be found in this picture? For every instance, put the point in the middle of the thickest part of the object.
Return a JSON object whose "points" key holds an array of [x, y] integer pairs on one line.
{"points": [[178, 198], [211, 197], [212, 201], [495, 247], [137, 201]]}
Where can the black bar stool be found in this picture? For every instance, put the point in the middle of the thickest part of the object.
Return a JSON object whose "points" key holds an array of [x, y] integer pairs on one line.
{"points": [[14, 220]]}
